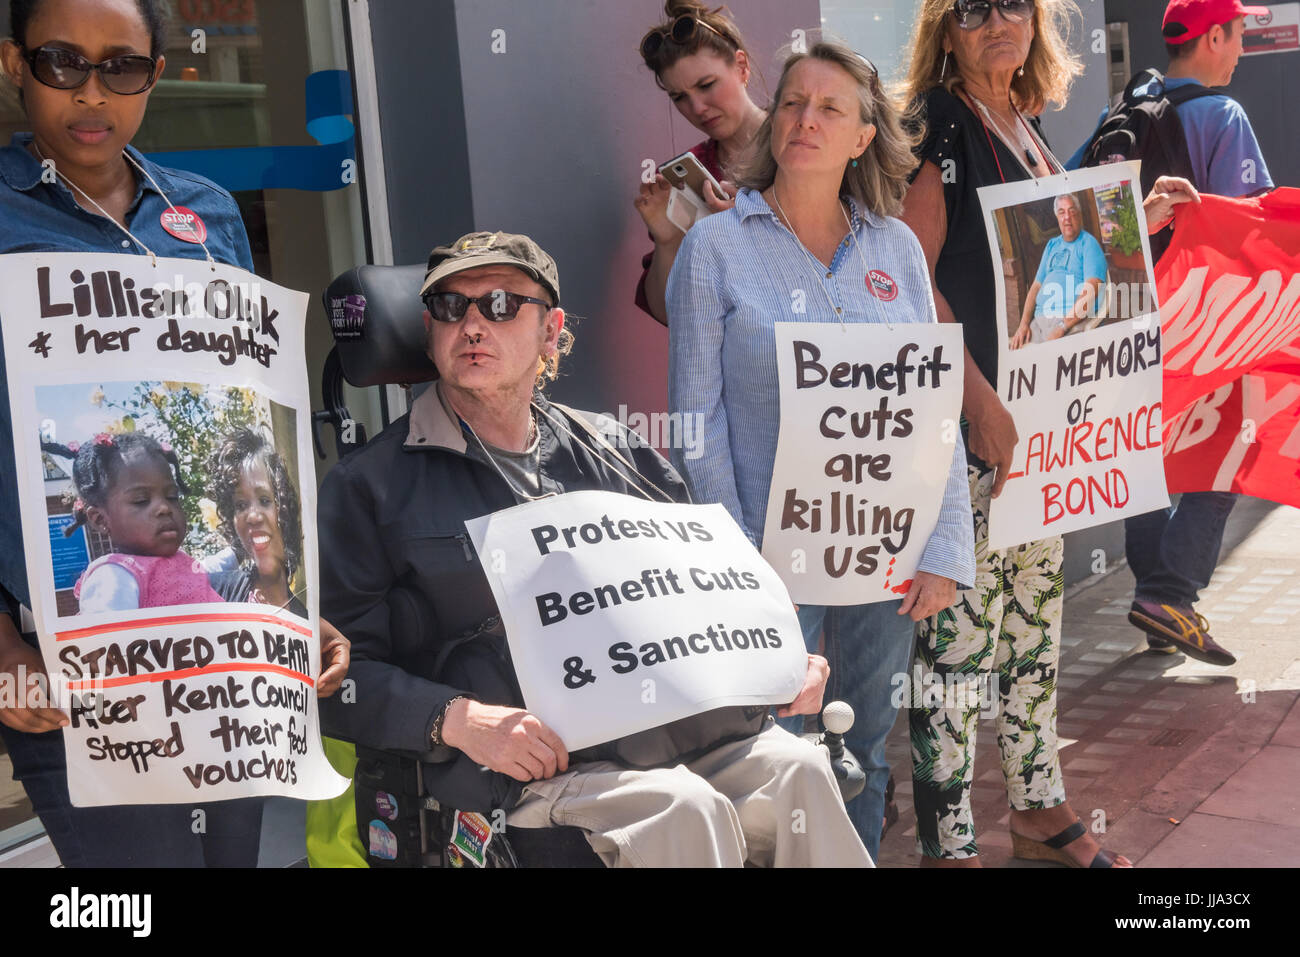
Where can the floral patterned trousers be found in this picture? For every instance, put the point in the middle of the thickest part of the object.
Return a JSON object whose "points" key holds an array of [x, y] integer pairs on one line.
{"points": [[1007, 628]]}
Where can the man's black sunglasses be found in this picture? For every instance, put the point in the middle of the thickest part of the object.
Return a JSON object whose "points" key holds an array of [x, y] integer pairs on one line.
{"points": [[127, 74], [973, 14], [495, 306]]}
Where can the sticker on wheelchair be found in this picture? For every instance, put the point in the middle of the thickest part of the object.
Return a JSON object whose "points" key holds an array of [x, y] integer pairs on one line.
{"points": [[470, 836], [386, 805], [383, 842]]}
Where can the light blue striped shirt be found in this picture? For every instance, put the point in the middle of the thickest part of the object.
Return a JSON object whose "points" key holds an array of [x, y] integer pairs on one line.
{"points": [[736, 273]]}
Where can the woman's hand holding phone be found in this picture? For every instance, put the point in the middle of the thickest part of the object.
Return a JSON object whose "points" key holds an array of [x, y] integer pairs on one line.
{"points": [[720, 203], [652, 203]]}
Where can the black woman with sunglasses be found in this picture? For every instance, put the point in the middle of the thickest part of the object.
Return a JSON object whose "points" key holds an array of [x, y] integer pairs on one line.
{"points": [[699, 59], [983, 70], [84, 69]]}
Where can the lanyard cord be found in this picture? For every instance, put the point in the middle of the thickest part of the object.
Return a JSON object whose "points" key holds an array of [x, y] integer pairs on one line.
{"points": [[90, 199], [1047, 154], [599, 457], [866, 273], [603, 461]]}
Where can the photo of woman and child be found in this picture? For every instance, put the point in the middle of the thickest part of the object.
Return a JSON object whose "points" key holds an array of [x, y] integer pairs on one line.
{"points": [[131, 489]]}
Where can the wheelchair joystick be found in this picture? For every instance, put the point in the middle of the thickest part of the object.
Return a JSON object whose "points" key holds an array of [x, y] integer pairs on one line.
{"points": [[837, 719]]}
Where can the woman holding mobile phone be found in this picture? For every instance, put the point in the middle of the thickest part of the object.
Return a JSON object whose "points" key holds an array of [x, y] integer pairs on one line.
{"points": [[699, 59], [84, 70]]}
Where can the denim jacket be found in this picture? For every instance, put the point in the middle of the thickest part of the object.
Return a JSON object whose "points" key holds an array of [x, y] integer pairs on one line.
{"points": [[38, 216]]}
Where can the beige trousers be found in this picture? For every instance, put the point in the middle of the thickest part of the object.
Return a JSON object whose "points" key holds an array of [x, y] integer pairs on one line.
{"points": [[769, 800]]}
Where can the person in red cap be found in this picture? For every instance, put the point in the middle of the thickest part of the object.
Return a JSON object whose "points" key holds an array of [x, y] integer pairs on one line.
{"points": [[1172, 551]]}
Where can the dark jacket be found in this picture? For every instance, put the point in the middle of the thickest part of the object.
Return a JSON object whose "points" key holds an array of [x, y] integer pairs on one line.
{"points": [[400, 578]]}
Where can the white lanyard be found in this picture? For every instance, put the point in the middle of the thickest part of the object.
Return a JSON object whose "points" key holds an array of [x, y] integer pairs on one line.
{"points": [[90, 199], [866, 272]]}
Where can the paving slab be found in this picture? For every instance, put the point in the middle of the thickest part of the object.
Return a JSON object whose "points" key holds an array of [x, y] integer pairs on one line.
{"points": [[1266, 788], [1207, 840]]}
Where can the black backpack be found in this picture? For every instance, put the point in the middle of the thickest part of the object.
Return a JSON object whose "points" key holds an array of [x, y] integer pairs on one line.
{"points": [[1146, 127]]}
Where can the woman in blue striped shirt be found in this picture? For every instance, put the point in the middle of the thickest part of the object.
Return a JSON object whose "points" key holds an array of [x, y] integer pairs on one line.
{"points": [[815, 217]]}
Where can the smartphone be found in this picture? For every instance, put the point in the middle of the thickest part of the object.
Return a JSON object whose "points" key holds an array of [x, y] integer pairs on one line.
{"points": [[687, 170]]}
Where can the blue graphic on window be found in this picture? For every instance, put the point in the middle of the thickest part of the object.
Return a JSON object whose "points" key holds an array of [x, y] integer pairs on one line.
{"points": [[317, 168]]}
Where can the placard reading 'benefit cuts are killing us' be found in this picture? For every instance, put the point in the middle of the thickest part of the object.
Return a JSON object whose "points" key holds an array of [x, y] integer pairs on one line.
{"points": [[868, 427], [1078, 352], [623, 614], [168, 518]]}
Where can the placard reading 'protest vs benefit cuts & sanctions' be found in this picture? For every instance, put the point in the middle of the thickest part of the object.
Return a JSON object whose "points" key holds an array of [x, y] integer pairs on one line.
{"points": [[623, 614], [160, 420], [868, 424], [1079, 347]]}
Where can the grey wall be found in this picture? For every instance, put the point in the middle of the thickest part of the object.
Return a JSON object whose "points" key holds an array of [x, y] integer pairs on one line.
{"points": [[546, 138], [422, 122], [1068, 127], [1266, 85]]}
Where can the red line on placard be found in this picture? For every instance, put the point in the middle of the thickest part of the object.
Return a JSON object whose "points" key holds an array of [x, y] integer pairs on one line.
{"points": [[97, 683], [179, 620]]}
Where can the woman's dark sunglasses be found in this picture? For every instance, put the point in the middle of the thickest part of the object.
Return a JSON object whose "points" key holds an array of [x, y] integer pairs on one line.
{"points": [[681, 32], [973, 14], [62, 69], [495, 306]]}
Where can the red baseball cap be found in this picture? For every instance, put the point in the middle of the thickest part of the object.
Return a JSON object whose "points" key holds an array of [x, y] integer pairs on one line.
{"points": [[1188, 19]]}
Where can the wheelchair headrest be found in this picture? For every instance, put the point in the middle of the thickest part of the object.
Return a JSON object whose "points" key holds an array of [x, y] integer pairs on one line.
{"points": [[376, 316]]}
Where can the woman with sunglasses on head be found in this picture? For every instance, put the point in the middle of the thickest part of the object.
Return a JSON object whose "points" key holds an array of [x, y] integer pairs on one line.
{"points": [[84, 69], [981, 71], [814, 214], [699, 59]]}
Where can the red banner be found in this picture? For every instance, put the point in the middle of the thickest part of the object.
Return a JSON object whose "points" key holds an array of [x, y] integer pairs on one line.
{"points": [[1229, 290]]}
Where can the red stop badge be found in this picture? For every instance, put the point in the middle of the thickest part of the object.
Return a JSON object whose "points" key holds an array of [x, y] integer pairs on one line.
{"points": [[184, 224]]}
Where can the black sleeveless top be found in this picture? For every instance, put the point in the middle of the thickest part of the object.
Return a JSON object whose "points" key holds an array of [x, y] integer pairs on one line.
{"points": [[956, 142]]}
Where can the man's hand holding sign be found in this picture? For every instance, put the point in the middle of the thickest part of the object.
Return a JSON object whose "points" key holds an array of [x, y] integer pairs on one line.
{"points": [[623, 616]]}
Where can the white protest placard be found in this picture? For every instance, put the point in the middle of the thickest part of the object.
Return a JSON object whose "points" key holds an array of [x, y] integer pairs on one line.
{"points": [[1078, 352], [161, 416], [869, 418], [623, 614]]}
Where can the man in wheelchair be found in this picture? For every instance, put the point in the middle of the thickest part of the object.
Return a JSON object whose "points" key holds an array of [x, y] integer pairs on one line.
{"points": [[430, 662]]}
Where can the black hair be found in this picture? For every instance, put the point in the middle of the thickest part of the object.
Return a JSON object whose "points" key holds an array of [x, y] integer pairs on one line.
{"points": [[154, 13], [96, 464], [238, 451], [723, 39], [1178, 51]]}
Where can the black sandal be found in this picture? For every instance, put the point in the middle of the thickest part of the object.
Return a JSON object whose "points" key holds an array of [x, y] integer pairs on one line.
{"points": [[1027, 849]]}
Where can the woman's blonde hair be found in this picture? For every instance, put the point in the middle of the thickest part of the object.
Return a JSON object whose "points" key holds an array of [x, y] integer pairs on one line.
{"points": [[879, 180], [1048, 72]]}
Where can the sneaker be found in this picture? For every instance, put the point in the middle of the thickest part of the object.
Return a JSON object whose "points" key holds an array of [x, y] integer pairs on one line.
{"points": [[1173, 628], [1159, 645]]}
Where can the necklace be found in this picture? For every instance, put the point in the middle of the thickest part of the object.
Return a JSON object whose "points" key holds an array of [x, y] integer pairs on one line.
{"points": [[1017, 130], [533, 444], [866, 272], [103, 212]]}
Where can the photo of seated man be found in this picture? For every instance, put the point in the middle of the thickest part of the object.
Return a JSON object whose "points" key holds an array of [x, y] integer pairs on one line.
{"points": [[1071, 274]]}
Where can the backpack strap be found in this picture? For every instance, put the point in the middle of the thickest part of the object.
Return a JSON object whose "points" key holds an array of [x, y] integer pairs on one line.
{"points": [[1183, 94]]}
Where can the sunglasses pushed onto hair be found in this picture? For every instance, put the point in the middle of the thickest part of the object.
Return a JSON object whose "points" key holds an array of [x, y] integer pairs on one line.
{"points": [[681, 32], [495, 306], [973, 14], [126, 75]]}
